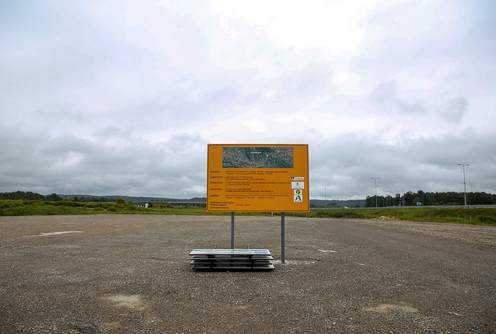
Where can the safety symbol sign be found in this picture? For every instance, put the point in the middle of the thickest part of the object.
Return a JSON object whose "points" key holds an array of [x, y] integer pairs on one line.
{"points": [[298, 196], [298, 185]]}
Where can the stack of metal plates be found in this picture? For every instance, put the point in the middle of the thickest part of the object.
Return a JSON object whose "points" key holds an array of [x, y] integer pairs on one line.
{"points": [[231, 259]]}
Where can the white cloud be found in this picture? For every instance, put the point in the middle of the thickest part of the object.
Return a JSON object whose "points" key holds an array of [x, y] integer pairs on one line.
{"points": [[333, 26], [256, 125]]}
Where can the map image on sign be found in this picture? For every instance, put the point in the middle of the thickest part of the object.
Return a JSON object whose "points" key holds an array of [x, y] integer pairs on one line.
{"points": [[257, 157]]}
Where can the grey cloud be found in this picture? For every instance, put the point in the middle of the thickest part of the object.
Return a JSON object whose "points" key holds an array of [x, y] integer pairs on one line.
{"points": [[313, 80], [387, 99], [454, 109], [218, 91], [385, 96], [347, 165], [397, 41], [67, 162]]}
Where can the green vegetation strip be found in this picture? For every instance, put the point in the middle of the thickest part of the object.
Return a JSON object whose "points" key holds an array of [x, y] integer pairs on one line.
{"points": [[476, 216], [69, 207]]}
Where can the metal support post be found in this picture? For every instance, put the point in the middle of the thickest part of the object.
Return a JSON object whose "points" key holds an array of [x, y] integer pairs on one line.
{"points": [[232, 230], [283, 237]]}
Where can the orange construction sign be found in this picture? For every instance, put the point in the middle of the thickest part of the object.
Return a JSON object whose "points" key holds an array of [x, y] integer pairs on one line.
{"points": [[257, 177]]}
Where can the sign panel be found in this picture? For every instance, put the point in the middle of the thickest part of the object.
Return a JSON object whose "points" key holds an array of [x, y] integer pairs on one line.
{"points": [[271, 178]]}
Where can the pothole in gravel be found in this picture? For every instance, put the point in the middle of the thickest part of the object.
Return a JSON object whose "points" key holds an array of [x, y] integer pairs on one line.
{"points": [[134, 302], [386, 308], [85, 328]]}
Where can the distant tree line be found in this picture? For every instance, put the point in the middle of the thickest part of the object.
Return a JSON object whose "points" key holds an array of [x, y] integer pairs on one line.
{"points": [[429, 198], [408, 199], [30, 196]]}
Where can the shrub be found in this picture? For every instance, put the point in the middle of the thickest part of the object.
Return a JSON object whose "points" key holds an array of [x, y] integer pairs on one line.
{"points": [[488, 220]]}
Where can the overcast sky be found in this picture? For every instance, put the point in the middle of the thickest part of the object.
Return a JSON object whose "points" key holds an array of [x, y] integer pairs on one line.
{"points": [[122, 97]]}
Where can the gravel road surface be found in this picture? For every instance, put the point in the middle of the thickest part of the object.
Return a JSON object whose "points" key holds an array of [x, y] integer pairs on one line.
{"points": [[131, 274]]}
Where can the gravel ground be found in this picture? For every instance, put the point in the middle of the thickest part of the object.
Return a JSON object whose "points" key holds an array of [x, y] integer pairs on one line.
{"points": [[130, 273], [484, 235]]}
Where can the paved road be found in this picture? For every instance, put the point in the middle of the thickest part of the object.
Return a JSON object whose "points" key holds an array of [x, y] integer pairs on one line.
{"points": [[119, 274]]}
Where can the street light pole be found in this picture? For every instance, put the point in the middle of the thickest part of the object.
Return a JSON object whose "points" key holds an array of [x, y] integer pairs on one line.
{"points": [[325, 194], [375, 184], [464, 183]]}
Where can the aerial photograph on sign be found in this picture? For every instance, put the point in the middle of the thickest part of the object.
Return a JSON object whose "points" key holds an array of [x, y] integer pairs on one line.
{"points": [[257, 157]]}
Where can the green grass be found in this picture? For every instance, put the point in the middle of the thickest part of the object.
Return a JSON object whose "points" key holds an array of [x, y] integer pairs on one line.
{"points": [[476, 216], [66, 207]]}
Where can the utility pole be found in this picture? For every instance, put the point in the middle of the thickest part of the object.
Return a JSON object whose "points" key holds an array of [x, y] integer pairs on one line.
{"points": [[375, 184], [464, 183]]}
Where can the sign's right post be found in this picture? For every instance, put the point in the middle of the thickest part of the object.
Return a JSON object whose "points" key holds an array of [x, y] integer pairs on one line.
{"points": [[283, 238]]}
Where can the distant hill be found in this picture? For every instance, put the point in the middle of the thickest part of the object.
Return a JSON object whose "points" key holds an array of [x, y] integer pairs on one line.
{"points": [[84, 197], [142, 199]]}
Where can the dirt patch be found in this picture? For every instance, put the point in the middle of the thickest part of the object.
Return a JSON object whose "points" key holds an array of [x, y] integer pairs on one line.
{"points": [[44, 234], [386, 308], [134, 302]]}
